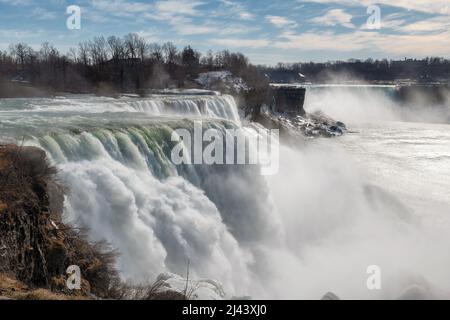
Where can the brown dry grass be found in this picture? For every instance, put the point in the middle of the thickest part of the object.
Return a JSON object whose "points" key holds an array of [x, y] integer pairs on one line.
{"points": [[3, 206], [16, 290], [3, 163], [28, 186]]}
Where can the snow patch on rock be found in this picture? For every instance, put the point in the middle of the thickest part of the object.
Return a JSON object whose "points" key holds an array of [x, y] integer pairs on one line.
{"points": [[213, 79], [193, 289]]}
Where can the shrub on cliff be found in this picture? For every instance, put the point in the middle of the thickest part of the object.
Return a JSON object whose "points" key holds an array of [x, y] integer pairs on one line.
{"points": [[36, 247]]}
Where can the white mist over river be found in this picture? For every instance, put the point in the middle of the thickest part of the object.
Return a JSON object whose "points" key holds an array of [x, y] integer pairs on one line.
{"points": [[379, 195]]}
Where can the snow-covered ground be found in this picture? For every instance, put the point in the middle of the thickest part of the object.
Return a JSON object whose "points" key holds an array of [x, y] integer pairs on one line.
{"points": [[209, 79]]}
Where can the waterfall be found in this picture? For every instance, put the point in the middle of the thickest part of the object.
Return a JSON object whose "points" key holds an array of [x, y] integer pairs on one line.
{"points": [[312, 228], [113, 155], [214, 106], [125, 189]]}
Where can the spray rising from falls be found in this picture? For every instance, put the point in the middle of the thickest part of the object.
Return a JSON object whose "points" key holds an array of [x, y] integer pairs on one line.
{"points": [[368, 103]]}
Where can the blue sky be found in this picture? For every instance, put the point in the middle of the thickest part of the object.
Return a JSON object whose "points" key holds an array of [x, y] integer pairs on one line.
{"points": [[268, 31]]}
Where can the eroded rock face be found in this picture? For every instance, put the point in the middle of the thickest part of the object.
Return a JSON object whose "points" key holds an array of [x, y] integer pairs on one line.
{"points": [[294, 128], [289, 100], [35, 246], [25, 215]]}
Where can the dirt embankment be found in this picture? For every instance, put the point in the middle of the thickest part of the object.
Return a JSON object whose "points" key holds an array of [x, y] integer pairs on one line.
{"points": [[36, 247]]}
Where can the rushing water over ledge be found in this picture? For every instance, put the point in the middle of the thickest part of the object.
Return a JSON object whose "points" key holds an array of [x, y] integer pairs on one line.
{"points": [[114, 157]]}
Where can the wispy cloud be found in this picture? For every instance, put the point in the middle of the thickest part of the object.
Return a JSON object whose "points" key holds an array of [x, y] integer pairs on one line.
{"points": [[280, 21], [388, 45], [184, 17], [430, 6], [391, 21], [121, 8], [210, 27], [20, 35], [335, 17], [246, 15], [43, 14], [238, 10], [436, 24], [322, 41], [268, 29], [150, 35], [168, 8], [17, 2], [241, 43]]}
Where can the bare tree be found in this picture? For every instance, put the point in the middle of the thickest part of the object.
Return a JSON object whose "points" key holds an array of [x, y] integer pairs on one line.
{"points": [[98, 50], [170, 52], [72, 55], [19, 51], [135, 65], [132, 44], [142, 48], [48, 52], [116, 48], [208, 60], [83, 53], [156, 52]]}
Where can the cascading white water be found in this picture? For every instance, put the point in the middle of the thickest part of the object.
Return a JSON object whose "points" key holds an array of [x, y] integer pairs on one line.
{"points": [[213, 107], [210, 106], [312, 228], [124, 188]]}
